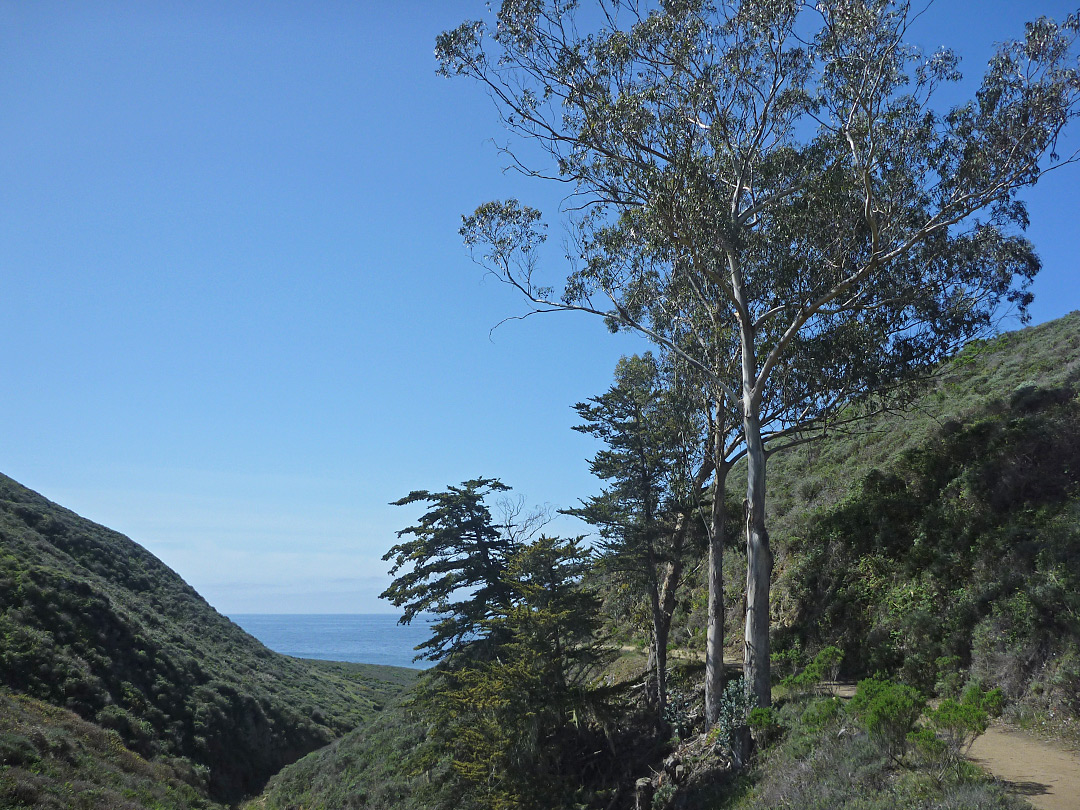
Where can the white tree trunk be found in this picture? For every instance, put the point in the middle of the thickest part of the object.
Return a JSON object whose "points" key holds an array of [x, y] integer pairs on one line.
{"points": [[714, 644], [759, 562]]}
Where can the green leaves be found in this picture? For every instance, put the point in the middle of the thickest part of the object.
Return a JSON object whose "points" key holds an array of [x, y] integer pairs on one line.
{"points": [[516, 635], [826, 665], [456, 552], [889, 712]]}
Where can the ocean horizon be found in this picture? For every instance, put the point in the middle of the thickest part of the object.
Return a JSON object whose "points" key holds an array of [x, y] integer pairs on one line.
{"points": [[362, 638]]}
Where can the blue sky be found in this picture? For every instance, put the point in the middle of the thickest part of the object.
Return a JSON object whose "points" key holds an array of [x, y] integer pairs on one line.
{"points": [[238, 319]]}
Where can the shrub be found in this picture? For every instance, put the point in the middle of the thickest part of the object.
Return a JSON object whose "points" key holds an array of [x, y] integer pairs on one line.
{"points": [[765, 724], [826, 664], [954, 725], [820, 713], [786, 662], [949, 677], [889, 712], [731, 720]]}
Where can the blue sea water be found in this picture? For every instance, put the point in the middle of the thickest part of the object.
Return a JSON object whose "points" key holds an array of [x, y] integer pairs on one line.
{"points": [[366, 638]]}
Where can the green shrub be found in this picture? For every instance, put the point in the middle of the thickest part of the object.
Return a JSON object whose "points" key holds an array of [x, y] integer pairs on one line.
{"points": [[950, 679], [765, 725], [820, 713], [826, 665], [786, 662], [888, 711], [953, 727]]}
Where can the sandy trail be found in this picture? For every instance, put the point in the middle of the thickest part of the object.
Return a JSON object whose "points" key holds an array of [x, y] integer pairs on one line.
{"points": [[1044, 774]]}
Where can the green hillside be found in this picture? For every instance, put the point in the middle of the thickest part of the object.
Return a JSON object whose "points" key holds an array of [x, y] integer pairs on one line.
{"points": [[986, 374], [364, 769], [92, 622], [940, 547], [944, 543], [55, 760]]}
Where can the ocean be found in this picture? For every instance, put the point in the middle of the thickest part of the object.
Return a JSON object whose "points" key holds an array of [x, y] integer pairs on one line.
{"points": [[366, 638]]}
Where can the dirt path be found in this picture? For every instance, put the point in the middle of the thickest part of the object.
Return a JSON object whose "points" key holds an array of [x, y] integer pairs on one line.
{"points": [[1045, 775]]}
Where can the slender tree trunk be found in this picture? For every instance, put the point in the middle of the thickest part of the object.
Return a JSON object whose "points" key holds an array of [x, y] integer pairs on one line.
{"points": [[662, 624], [759, 562], [714, 643], [758, 555], [658, 655], [661, 631]]}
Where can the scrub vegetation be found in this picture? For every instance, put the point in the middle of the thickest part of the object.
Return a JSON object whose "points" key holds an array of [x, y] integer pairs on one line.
{"points": [[92, 622], [954, 551]]}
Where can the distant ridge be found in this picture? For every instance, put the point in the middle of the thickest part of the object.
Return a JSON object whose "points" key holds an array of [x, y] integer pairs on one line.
{"points": [[92, 622]]}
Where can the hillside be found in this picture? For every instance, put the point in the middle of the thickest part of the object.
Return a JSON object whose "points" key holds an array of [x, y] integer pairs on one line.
{"points": [[984, 375], [367, 768], [940, 547], [944, 543], [54, 760], [92, 622]]}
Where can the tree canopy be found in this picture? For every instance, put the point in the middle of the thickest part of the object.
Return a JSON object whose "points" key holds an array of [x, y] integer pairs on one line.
{"points": [[770, 190], [455, 564], [656, 471], [516, 644]]}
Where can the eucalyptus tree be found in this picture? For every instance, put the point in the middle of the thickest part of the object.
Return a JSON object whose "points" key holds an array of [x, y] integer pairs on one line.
{"points": [[774, 182]]}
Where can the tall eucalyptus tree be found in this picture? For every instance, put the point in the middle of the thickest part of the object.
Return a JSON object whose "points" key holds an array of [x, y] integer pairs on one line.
{"points": [[768, 189]]}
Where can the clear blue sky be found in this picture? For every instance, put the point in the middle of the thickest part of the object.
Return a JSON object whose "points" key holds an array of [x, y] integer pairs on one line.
{"points": [[237, 318]]}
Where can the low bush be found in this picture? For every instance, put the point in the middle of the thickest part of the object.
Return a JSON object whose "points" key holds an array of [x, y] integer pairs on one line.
{"points": [[825, 666], [888, 711]]}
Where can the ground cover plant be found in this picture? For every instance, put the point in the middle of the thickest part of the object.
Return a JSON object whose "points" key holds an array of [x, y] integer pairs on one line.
{"points": [[54, 760]]}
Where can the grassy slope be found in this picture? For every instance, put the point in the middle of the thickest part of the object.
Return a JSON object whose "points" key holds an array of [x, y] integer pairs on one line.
{"points": [[813, 478], [945, 543], [92, 622], [55, 760], [364, 769], [985, 372]]}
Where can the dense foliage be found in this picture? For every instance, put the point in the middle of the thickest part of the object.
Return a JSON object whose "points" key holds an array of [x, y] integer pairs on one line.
{"points": [[365, 769], [866, 755], [957, 557], [651, 514], [508, 705], [92, 622]]}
